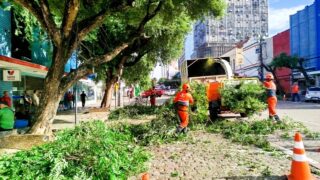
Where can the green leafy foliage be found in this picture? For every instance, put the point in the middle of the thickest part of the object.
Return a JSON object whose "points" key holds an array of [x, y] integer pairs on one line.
{"points": [[90, 151], [198, 91], [251, 132], [247, 98], [132, 112]]}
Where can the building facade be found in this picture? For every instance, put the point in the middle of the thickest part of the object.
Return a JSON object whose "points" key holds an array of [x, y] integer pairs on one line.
{"points": [[305, 38], [242, 19], [281, 44], [30, 60], [246, 58]]}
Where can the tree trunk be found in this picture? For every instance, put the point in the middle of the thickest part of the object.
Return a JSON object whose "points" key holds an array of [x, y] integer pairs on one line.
{"points": [[107, 98], [111, 78], [50, 97], [304, 72]]}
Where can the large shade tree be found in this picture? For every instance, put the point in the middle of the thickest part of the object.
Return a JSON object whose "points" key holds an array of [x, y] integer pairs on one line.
{"points": [[68, 23], [286, 61], [163, 42]]}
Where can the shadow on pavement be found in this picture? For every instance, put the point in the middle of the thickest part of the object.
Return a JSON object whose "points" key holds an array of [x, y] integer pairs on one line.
{"points": [[60, 121], [314, 149], [298, 106], [253, 178]]}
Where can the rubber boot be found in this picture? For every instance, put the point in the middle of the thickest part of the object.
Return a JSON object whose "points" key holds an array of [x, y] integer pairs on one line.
{"points": [[276, 117], [271, 118], [184, 130], [179, 129]]}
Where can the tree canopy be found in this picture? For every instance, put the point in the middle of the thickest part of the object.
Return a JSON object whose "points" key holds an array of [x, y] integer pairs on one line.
{"points": [[70, 23]]}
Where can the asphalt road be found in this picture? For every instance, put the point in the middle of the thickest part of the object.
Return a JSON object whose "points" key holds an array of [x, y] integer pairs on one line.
{"points": [[307, 113]]}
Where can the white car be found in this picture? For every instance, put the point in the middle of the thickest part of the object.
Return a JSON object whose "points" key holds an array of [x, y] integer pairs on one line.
{"points": [[313, 94], [170, 92]]}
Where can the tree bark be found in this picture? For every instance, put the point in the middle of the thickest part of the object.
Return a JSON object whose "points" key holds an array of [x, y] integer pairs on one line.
{"points": [[51, 94], [107, 98]]}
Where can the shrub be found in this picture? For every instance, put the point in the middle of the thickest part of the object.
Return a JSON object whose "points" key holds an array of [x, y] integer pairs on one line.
{"points": [[90, 151]]}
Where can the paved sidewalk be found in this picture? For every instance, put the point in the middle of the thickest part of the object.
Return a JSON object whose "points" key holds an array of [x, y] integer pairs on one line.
{"points": [[92, 111]]}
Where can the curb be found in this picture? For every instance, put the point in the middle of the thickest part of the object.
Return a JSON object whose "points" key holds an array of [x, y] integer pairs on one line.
{"points": [[312, 162]]}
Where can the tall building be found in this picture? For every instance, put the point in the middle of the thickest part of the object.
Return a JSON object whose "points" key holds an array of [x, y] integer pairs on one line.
{"points": [[305, 38], [242, 19]]}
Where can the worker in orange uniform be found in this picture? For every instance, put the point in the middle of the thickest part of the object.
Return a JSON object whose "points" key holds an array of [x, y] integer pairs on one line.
{"points": [[295, 92], [214, 99], [272, 98], [182, 101], [153, 96]]}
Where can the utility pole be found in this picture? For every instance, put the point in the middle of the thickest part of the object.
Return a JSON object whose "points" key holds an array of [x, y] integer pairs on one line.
{"points": [[261, 59]]}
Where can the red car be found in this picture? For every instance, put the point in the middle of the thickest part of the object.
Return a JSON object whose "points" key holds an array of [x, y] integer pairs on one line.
{"points": [[147, 93]]}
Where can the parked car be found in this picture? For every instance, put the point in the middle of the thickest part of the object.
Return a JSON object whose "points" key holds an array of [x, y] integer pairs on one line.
{"points": [[170, 92], [312, 94], [147, 93]]}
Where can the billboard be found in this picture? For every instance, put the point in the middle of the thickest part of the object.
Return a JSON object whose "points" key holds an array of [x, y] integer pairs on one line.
{"points": [[11, 75]]}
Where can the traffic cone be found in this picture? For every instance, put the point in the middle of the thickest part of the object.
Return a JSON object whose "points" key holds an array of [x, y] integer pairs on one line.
{"points": [[300, 169], [145, 176]]}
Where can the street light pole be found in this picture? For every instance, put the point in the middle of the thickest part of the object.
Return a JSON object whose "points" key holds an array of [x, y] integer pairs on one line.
{"points": [[76, 93], [261, 59]]}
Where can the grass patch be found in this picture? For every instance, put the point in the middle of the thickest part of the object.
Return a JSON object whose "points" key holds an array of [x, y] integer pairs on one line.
{"points": [[90, 151]]}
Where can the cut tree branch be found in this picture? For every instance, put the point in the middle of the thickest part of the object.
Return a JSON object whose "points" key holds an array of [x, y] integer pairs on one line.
{"points": [[70, 15]]}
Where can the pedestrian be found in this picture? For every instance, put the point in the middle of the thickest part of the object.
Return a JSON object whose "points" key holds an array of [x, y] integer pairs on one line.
{"points": [[27, 101], [6, 117], [73, 100], [272, 98], [69, 100], [153, 95], [83, 97], [6, 98], [295, 92], [181, 102], [35, 98]]}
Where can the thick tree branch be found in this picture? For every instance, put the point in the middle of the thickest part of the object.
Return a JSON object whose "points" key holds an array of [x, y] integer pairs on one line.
{"points": [[34, 9], [70, 14], [137, 59], [51, 26], [86, 25], [149, 15], [84, 69]]}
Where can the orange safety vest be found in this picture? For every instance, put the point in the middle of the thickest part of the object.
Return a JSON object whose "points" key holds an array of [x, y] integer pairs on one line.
{"points": [[182, 100], [213, 93], [295, 89], [271, 88]]}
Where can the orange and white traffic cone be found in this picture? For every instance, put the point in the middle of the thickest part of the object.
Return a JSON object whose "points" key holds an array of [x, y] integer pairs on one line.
{"points": [[300, 169], [145, 176]]}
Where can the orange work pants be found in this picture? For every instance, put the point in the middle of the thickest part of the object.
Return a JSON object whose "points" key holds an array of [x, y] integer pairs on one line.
{"points": [[184, 118], [153, 101], [272, 103]]}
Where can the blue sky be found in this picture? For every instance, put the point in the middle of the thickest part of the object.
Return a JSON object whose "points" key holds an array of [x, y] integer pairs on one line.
{"points": [[279, 12]]}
